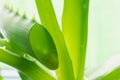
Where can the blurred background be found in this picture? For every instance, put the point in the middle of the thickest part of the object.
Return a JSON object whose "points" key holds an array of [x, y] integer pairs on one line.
{"points": [[103, 51]]}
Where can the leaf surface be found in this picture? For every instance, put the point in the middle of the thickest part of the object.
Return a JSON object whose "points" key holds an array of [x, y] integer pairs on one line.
{"points": [[75, 29]]}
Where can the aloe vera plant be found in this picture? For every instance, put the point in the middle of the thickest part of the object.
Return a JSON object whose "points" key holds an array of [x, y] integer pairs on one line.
{"points": [[34, 48]]}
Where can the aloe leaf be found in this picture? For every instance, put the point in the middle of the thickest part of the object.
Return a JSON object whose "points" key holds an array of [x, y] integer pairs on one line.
{"points": [[28, 68], [75, 28], [17, 31], [39, 35], [48, 19], [113, 75], [4, 43]]}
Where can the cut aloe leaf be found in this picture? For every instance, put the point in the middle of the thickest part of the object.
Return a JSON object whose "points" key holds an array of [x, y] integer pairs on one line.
{"points": [[28, 68], [16, 29], [41, 42], [75, 28]]}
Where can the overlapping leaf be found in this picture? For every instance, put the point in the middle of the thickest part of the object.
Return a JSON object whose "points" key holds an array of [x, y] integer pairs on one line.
{"points": [[17, 31]]}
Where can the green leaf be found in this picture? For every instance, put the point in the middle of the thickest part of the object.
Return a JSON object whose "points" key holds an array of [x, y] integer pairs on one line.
{"points": [[48, 19], [41, 42], [75, 29], [113, 75], [17, 29], [26, 67], [6, 44]]}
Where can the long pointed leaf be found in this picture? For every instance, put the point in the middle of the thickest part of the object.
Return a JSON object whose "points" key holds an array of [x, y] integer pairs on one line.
{"points": [[28, 68], [74, 24], [49, 21]]}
